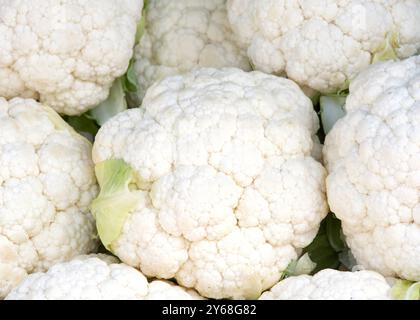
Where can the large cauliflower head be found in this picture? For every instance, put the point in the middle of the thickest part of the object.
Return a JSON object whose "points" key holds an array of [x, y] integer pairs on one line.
{"points": [[331, 284], [373, 159], [212, 181], [65, 53], [47, 182], [183, 34], [96, 277], [323, 44]]}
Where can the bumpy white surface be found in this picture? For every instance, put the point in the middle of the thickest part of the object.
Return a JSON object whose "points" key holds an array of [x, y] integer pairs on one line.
{"points": [[230, 190], [322, 43], [47, 182], [66, 53], [331, 284], [184, 34], [373, 158], [96, 277]]}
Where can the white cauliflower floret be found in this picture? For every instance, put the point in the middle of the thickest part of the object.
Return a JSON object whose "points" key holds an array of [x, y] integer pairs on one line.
{"points": [[373, 159], [212, 181], [331, 284], [47, 182], [183, 34], [323, 44], [65, 53], [96, 277]]}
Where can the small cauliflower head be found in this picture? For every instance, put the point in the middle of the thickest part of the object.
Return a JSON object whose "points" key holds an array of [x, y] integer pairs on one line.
{"points": [[47, 182], [212, 181], [183, 34], [96, 277], [331, 284], [65, 53], [324, 44], [373, 159]]}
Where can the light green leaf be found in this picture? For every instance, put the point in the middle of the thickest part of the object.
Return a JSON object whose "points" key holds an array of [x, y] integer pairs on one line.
{"points": [[129, 80], [78, 126], [115, 201], [387, 51], [332, 109], [304, 265], [141, 26], [406, 290], [114, 104]]}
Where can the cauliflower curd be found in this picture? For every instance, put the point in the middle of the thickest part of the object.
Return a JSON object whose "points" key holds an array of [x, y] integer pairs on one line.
{"points": [[212, 181], [184, 34], [331, 284], [324, 44], [47, 183], [65, 53], [200, 167], [96, 277], [373, 159]]}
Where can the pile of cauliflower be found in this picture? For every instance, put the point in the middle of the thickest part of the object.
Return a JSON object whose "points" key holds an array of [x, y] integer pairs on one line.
{"points": [[209, 149]]}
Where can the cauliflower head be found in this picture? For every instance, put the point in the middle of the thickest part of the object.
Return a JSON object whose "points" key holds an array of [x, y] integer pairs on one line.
{"points": [[323, 44], [331, 284], [65, 53], [47, 182], [212, 181], [373, 159], [96, 277], [180, 35]]}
